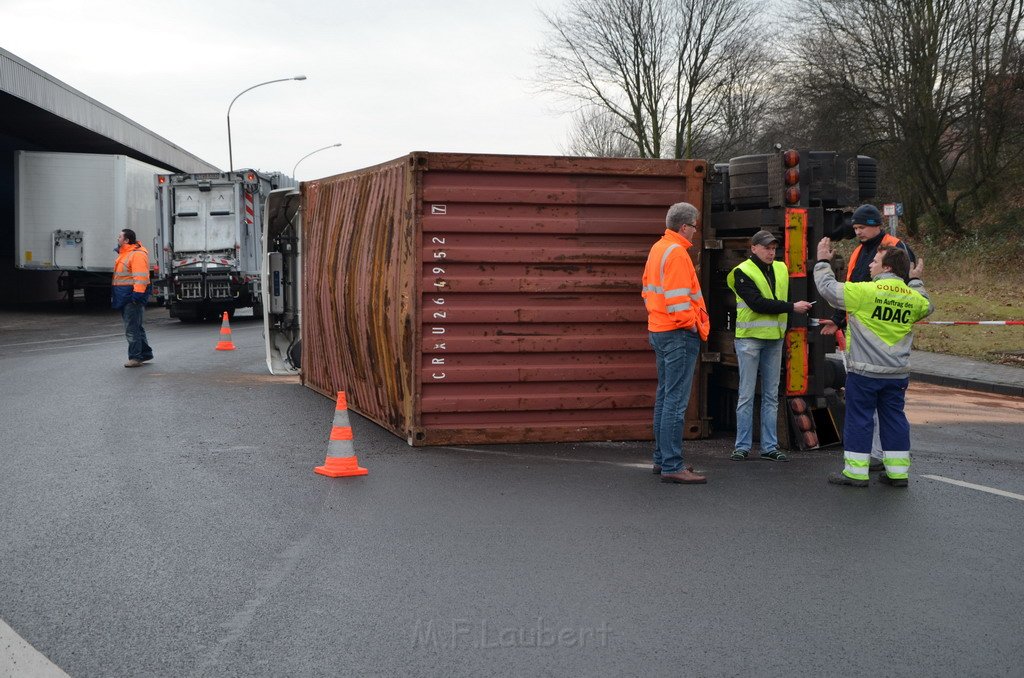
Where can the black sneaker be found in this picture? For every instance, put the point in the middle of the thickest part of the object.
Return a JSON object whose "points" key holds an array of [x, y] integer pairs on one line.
{"points": [[892, 482], [739, 455], [840, 479]]}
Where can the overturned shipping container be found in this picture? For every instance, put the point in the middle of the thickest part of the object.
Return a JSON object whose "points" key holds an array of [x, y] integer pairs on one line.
{"points": [[482, 299]]}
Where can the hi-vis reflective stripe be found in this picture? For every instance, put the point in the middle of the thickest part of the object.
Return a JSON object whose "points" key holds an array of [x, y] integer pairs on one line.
{"points": [[674, 308], [897, 464], [761, 323], [657, 289], [677, 292], [856, 465], [664, 258]]}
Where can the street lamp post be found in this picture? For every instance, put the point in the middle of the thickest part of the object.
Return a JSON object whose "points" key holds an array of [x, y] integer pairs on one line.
{"points": [[231, 160], [309, 154]]}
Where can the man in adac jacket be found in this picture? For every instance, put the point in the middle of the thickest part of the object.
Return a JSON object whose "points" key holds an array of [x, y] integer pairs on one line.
{"points": [[129, 292], [761, 285], [882, 314], [867, 227], [677, 321]]}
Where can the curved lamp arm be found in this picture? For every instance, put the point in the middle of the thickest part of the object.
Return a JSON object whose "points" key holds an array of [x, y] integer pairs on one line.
{"points": [[309, 154], [231, 161]]}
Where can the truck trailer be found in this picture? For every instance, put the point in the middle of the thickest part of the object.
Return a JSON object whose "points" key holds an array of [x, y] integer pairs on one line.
{"points": [[69, 210], [211, 229], [461, 298]]}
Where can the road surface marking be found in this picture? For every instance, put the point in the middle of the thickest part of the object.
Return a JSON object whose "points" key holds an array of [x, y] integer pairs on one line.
{"points": [[54, 341], [542, 457], [64, 348], [981, 488], [23, 659]]}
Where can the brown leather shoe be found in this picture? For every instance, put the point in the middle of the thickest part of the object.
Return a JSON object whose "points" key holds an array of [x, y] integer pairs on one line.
{"points": [[133, 363], [686, 477], [656, 470]]}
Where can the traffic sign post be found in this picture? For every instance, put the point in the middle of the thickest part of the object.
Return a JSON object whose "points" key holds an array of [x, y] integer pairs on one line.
{"points": [[889, 210]]}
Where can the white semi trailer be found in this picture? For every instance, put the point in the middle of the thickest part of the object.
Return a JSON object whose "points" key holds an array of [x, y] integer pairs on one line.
{"points": [[69, 210]]}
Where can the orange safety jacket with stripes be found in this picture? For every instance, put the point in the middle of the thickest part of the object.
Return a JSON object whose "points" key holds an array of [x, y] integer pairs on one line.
{"points": [[131, 276], [671, 289], [887, 240]]}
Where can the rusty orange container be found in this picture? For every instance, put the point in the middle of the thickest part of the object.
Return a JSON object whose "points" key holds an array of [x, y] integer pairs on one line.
{"points": [[462, 298]]}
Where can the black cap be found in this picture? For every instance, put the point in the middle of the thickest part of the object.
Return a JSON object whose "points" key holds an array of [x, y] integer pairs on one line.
{"points": [[763, 238]]}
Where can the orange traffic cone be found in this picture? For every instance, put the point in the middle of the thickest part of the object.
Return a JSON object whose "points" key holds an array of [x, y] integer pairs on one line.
{"points": [[341, 458], [225, 335]]}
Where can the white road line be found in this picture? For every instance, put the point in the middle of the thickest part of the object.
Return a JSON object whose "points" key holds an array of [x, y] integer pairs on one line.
{"points": [[66, 348], [54, 341], [23, 659], [542, 457], [980, 488]]}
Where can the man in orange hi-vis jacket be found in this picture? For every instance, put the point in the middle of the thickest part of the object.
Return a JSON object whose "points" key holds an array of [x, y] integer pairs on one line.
{"points": [[677, 321], [129, 292]]}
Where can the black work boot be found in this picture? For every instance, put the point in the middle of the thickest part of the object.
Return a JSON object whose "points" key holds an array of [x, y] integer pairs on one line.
{"points": [[840, 479], [892, 482]]}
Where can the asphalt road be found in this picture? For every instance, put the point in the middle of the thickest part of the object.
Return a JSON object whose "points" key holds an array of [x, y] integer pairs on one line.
{"points": [[166, 521]]}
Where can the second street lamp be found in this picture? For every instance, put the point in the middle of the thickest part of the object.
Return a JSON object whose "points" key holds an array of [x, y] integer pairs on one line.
{"points": [[231, 160], [309, 154]]}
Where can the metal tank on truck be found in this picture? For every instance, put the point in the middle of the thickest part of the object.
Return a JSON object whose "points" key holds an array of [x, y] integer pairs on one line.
{"points": [[69, 210], [211, 230]]}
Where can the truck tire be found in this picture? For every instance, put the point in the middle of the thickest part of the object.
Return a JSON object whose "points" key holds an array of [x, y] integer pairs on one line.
{"points": [[867, 177], [720, 187], [96, 296], [748, 181], [834, 373]]}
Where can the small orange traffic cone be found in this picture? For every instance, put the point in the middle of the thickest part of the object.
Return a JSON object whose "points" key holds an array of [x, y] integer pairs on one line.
{"points": [[225, 335], [341, 457]]}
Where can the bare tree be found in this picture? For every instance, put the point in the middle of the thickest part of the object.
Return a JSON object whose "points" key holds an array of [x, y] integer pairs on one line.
{"points": [[922, 77], [612, 54], [597, 132], [661, 67]]}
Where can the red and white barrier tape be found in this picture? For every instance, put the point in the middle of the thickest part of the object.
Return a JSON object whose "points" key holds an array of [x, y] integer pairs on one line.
{"points": [[970, 322]]}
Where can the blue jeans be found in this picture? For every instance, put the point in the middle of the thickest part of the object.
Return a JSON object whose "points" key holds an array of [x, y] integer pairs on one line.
{"points": [[756, 356], [867, 396], [676, 355], [138, 347]]}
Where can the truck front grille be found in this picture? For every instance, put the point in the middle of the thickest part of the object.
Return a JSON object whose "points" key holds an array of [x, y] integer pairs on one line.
{"points": [[219, 289], [191, 289]]}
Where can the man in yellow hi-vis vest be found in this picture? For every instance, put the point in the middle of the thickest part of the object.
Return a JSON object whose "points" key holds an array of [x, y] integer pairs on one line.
{"points": [[761, 285]]}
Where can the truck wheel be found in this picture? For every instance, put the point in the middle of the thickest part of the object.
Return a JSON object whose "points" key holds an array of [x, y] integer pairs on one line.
{"points": [[867, 177], [748, 181], [96, 296], [835, 374]]}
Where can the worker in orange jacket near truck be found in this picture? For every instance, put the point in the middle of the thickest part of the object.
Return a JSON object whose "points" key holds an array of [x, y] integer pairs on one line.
{"points": [[677, 321], [129, 292]]}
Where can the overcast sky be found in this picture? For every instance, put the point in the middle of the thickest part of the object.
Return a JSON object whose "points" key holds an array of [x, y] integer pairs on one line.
{"points": [[385, 77]]}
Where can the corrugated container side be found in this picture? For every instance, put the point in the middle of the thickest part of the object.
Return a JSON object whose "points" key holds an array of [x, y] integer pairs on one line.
{"points": [[523, 278], [358, 291]]}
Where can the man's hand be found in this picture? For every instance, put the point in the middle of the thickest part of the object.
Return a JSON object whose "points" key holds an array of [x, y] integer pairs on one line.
{"points": [[802, 306], [828, 328], [825, 249], [918, 268]]}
